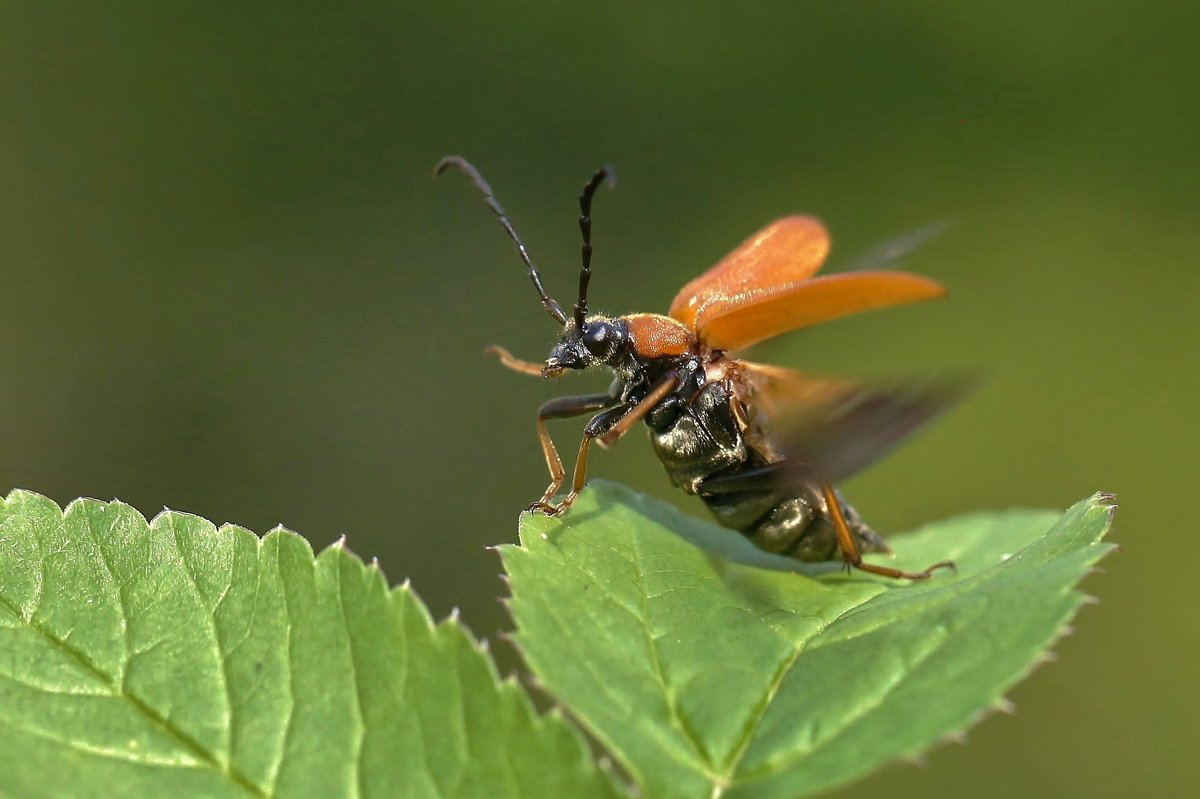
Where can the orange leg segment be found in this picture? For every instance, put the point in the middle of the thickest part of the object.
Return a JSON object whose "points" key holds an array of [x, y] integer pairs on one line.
{"points": [[851, 555], [669, 384], [512, 362], [579, 477], [562, 408]]}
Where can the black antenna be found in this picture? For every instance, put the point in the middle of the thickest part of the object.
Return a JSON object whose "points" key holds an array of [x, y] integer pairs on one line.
{"points": [[552, 307], [604, 174]]}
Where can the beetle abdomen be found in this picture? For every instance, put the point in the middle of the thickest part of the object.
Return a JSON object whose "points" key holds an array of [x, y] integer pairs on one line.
{"points": [[698, 437]]}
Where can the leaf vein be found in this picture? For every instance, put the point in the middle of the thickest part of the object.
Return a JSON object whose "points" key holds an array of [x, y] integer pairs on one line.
{"points": [[361, 726], [210, 616], [656, 659], [115, 588], [290, 722]]}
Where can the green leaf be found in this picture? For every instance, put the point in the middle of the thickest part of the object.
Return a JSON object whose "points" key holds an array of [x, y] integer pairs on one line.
{"points": [[175, 659], [720, 670]]}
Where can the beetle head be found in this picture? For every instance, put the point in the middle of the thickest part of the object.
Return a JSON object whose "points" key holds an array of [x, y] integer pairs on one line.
{"points": [[599, 341]]}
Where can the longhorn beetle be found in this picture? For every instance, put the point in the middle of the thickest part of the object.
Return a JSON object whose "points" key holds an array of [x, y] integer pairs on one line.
{"points": [[760, 445]]}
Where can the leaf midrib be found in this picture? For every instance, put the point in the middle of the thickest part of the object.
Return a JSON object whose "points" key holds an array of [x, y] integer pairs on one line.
{"points": [[652, 645], [785, 667], [943, 596], [182, 738], [940, 596]]}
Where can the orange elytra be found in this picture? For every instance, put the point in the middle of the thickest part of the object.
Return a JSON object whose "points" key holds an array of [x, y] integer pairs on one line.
{"points": [[765, 287]]}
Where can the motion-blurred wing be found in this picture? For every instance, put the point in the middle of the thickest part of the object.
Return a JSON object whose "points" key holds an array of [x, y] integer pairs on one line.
{"points": [[854, 424], [895, 250], [752, 317], [789, 250], [779, 392]]}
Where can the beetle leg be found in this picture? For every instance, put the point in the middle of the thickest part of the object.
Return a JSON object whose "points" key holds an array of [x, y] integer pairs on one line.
{"points": [[562, 408], [850, 554], [656, 395], [607, 427], [512, 362], [597, 426]]}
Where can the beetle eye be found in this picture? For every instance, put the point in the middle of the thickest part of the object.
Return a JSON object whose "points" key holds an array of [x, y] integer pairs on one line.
{"points": [[596, 339]]}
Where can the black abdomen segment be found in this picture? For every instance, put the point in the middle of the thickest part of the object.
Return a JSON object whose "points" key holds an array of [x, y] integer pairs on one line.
{"points": [[697, 438]]}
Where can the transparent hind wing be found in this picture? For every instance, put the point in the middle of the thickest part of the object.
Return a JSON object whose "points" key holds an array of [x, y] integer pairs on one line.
{"points": [[828, 428]]}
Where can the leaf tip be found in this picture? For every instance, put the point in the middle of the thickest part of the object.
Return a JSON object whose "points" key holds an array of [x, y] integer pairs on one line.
{"points": [[509, 551]]}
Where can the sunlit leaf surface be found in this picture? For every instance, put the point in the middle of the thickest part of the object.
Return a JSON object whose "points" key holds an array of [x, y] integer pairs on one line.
{"points": [[174, 659], [710, 668]]}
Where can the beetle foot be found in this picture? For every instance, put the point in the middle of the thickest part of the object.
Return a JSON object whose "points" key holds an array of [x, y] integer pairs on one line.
{"points": [[550, 509]]}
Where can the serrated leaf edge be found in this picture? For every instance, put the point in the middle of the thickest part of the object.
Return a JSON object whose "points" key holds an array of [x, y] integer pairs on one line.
{"points": [[507, 687], [1100, 500]]}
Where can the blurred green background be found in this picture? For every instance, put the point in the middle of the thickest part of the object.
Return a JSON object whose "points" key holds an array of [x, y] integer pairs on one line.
{"points": [[230, 285]]}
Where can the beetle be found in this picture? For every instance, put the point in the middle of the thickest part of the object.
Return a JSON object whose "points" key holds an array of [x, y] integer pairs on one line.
{"points": [[760, 445]]}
